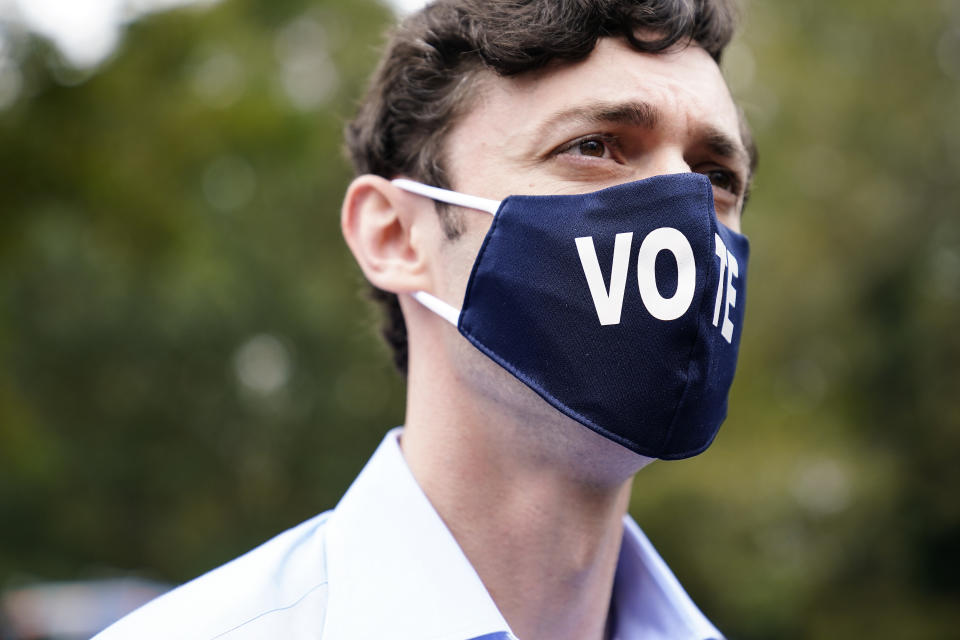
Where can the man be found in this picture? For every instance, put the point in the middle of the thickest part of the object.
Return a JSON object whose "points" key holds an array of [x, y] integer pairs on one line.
{"points": [[597, 316]]}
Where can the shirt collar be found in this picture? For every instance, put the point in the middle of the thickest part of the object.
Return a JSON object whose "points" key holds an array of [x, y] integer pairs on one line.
{"points": [[396, 571], [649, 602]]}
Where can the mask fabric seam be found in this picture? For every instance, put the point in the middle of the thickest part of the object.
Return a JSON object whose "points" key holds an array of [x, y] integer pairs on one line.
{"points": [[711, 217], [551, 399], [476, 261]]}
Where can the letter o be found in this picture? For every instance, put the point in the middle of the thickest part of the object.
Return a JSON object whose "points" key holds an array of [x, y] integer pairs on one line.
{"points": [[666, 239]]}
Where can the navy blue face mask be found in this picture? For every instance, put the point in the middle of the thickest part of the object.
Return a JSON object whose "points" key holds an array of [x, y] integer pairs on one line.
{"points": [[621, 308]]}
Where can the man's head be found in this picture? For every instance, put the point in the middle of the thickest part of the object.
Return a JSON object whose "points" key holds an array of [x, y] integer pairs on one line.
{"points": [[440, 62]]}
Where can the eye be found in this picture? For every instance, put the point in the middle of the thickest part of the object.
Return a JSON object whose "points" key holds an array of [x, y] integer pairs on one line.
{"points": [[724, 179], [594, 146]]}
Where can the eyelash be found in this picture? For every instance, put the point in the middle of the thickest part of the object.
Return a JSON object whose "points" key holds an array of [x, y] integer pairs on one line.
{"points": [[736, 185], [609, 141], [612, 144]]}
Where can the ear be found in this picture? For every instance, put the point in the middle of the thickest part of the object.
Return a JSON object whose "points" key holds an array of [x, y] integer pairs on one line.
{"points": [[388, 230]]}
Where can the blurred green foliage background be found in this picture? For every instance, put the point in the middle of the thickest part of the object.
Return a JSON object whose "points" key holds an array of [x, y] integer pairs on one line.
{"points": [[188, 366]]}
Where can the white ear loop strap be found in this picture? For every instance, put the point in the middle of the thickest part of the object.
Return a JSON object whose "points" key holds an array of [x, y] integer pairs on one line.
{"points": [[448, 312], [450, 197]]}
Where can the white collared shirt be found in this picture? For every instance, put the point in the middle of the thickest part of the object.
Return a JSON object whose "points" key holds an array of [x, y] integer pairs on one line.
{"points": [[383, 565]]}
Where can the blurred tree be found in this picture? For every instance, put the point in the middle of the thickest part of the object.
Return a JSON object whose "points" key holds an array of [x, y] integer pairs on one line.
{"points": [[832, 510], [188, 367]]}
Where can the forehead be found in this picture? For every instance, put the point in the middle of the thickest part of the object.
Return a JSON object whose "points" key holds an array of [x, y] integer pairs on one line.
{"points": [[684, 86]]}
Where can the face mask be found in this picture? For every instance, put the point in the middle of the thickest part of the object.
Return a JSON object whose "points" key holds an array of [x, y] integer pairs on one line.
{"points": [[621, 308]]}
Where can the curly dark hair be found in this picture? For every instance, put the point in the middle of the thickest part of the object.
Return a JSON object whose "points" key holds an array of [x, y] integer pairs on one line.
{"points": [[425, 78]]}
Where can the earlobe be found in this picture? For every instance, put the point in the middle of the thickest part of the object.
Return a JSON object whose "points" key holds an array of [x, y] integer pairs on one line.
{"points": [[383, 226]]}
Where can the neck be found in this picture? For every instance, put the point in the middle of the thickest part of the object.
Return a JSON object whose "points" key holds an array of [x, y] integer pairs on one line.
{"points": [[535, 501]]}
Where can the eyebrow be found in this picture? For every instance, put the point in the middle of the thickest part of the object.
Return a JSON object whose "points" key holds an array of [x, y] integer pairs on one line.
{"points": [[722, 145], [647, 116], [637, 114]]}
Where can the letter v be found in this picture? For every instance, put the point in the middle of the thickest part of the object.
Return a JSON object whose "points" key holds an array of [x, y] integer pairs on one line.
{"points": [[608, 304]]}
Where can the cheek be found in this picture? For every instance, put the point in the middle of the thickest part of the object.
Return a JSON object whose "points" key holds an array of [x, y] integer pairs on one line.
{"points": [[457, 256], [728, 209], [730, 220]]}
